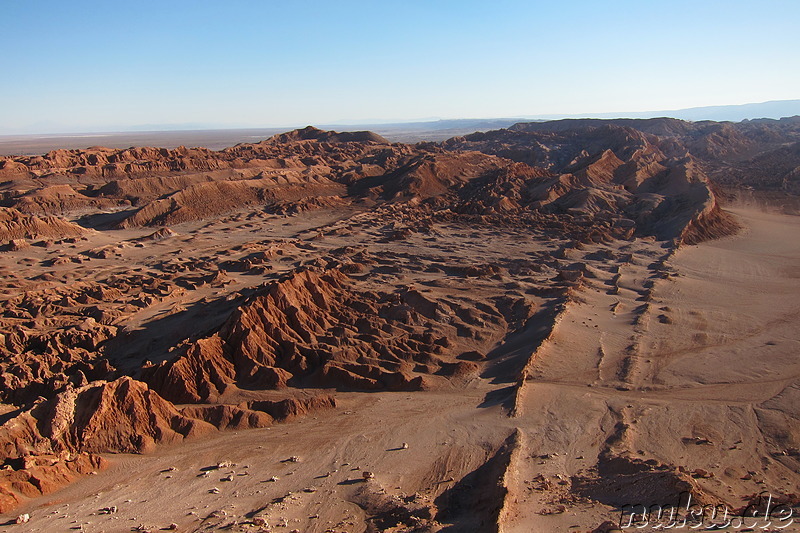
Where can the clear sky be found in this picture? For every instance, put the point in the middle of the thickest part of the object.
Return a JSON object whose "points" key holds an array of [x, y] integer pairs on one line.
{"points": [[72, 66]]}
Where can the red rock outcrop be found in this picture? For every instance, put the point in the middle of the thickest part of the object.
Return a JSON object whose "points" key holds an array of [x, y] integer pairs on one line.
{"points": [[311, 133], [587, 167], [314, 328], [209, 199], [56, 441], [606, 168], [42, 474], [17, 225], [59, 200]]}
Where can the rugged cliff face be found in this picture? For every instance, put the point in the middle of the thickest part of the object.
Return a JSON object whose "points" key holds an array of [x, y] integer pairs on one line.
{"points": [[610, 169], [752, 153]]}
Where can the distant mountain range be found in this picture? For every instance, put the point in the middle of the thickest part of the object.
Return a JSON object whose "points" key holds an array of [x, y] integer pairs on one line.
{"points": [[443, 129], [171, 136], [719, 113]]}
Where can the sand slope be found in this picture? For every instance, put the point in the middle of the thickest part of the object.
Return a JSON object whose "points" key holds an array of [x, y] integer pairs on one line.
{"points": [[696, 374]]}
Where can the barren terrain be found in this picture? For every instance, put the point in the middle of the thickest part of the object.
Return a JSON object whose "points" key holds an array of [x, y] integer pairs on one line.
{"points": [[522, 330]]}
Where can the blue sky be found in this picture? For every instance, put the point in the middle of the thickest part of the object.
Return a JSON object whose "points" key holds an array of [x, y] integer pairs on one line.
{"points": [[105, 66]]}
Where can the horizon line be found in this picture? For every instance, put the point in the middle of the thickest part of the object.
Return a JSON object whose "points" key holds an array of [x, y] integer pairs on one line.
{"points": [[605, 115]]}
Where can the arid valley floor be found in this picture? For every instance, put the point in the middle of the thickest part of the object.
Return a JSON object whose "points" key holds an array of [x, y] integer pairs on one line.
{"points": [[519, 330]]}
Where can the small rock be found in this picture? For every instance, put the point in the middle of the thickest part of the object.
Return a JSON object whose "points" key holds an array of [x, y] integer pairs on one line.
{"points": [[700, 473], [14, 245], [367, 475], [23, 518], [404, 446], [214, 490], [607, 527]]}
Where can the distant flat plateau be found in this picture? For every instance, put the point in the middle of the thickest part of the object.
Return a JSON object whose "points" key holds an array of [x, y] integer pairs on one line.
{"points": [[213, 139]]}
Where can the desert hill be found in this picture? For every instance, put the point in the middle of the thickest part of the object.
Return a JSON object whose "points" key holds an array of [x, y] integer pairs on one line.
{"points": [[732, 153], [613, 169]]}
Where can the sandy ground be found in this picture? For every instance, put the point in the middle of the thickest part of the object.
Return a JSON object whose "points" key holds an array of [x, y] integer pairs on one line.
{"points": [[365, 434], [679, 359], [710, 355]]}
